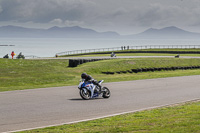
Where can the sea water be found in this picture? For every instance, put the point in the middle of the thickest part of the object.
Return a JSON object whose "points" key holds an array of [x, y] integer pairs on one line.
{"points": [[48, 47]]}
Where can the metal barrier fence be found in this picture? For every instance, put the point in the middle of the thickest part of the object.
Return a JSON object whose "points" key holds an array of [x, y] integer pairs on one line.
{"points": [[129, 48]]}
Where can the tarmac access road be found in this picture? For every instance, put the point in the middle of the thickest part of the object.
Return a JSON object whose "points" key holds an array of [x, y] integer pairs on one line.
{"points": [[36, 108], [108, 57]]}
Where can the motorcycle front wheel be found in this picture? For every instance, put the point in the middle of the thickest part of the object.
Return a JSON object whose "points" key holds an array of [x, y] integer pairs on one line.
{"points": [[84, 95], [106, 93]]}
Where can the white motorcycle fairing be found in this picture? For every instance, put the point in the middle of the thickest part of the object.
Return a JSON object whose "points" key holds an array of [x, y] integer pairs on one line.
{"points": [[89, 86]]}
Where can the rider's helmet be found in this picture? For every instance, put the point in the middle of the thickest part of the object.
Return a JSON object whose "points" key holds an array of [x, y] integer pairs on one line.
{"points": [[84, 75]]}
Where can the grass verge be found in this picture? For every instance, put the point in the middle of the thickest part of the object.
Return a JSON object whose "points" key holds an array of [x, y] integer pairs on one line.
{"points": [[177, 119], [134, 54], [131, 52], [29, 74]]}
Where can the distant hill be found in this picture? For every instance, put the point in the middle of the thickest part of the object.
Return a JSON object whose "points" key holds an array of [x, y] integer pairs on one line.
{"points": [[79, 32], [166, 33], [54, 32]]}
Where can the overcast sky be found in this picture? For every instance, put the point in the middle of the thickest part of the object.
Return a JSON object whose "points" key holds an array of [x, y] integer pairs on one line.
{"points": [[122, 16]]}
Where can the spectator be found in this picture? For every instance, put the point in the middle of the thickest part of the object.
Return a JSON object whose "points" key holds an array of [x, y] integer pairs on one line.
{"points": [[127, 47], [13, 54]]}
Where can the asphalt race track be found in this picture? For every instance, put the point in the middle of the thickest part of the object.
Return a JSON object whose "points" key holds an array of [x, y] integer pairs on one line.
{"points": [[20, 110]]}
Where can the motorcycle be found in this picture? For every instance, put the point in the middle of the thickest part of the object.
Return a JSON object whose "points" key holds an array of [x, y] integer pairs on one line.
{"points": [[88, 90]]}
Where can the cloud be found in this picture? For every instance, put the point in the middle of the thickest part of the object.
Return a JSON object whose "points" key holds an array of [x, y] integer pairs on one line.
{"points": [[102, 15], [43, 10], [73, 23], [56, 21], [1, 9]]}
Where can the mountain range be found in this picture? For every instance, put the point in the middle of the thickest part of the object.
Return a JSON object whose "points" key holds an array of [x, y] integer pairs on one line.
{"points": [[54, 32], [166, 33], [79, 32]]}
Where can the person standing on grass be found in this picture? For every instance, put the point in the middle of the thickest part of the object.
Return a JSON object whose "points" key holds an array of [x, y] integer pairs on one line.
{"points": [[12, 54]]}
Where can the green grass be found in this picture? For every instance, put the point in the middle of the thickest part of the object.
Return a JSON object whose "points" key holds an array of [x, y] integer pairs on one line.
{"points": [[29, 74], [168, 49], [137, 54], [175, 119]]}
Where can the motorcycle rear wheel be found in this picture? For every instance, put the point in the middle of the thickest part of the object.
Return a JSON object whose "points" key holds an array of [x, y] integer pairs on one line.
{"points": [[85, 96], [106, 93]]}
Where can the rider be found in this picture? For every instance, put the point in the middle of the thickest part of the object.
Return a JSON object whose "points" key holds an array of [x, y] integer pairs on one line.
{"points": [[90, 79]]}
